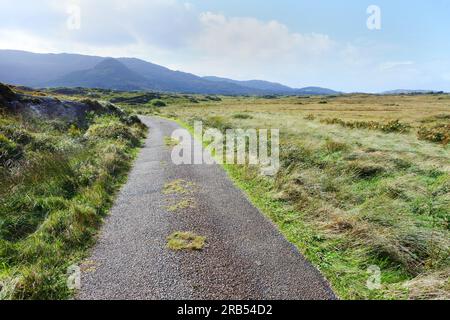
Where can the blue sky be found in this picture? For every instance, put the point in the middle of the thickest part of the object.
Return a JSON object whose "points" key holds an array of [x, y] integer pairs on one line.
{"points": [[295, 42]]}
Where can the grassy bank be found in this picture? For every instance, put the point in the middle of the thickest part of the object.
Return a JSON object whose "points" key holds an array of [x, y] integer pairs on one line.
{"points": [[351, 197], [58, 181]]}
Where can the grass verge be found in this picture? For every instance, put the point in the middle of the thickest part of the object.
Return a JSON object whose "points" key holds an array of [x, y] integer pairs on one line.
{"points": [[58, 182], [349, 211]]}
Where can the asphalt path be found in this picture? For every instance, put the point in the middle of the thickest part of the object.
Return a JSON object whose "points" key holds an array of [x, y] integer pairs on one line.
{"points": [[245, 257]]}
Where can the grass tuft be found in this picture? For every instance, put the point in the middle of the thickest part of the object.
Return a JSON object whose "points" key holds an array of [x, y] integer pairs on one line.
{"points": [[171, 142], [185, 241]]}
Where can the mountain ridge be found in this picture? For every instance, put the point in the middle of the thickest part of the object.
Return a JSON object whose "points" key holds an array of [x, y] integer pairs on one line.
{"points": [[75, 70]]}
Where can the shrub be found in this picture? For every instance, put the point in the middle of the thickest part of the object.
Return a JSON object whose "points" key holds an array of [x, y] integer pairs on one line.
{"points": [[439, 133], [394, 126], [74, 131], [159, 103], [217, 122], [391, 126], [242, 116], [310, 117], [110, 128], [213, 98]]}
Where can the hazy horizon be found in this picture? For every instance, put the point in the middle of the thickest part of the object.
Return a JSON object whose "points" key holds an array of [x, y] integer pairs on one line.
{"points": [[295, 43]]}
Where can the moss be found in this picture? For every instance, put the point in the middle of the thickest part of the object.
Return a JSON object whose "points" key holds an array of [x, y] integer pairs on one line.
{"points": [[182, 204], [178, 186], [185, 241]]}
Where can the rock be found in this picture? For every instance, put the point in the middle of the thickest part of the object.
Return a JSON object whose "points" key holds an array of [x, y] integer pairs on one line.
{"points": [[141, 99], [6, 93], [53, 108]]}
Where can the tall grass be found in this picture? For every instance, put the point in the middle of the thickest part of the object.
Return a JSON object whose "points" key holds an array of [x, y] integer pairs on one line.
{"points": [[354, 193], [58, 182]]}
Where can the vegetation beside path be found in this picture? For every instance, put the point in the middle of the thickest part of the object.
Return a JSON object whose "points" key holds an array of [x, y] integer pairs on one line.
{"points": [[356, 200], [58, 181]]}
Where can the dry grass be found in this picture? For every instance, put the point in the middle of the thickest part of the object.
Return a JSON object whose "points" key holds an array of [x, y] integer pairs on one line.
{"points": [[185, 241], [171, 142], [349, 196], [181, 204], [178, 186]]}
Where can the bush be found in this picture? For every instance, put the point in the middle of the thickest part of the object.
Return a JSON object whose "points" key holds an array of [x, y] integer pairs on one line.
{"points": [[391, 126], [242, 116], [394, 126], [218, 122], [213, 98], [74, 131], [111, 128], [159, 103], [439, 133]]}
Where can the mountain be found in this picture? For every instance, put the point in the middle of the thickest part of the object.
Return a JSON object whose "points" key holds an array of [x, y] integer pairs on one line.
{"points": [[275, 88], [254, 84], [165, 79], [108, 74], [35, 70], [316, 91], [74, 70]]}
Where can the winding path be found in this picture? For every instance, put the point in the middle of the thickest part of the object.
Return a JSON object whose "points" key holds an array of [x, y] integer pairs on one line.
{"points": [[246, 256]]}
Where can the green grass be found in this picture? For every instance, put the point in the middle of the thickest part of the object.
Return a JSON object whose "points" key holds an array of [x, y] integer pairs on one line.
{"points": [[58, 182]]}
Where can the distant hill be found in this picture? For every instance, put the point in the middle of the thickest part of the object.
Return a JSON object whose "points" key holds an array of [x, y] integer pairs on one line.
{"points": [[316, 91], [275, 88], [255, 84], [406, 91], [108, 74], [164, 79], [73, 70], [35, 70]]}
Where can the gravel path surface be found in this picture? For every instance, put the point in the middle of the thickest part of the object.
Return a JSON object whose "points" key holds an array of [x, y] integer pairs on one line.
{"points": [[245, 258]]}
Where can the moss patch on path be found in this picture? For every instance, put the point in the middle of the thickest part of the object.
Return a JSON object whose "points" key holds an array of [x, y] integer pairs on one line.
{"points": [[185, 241]]}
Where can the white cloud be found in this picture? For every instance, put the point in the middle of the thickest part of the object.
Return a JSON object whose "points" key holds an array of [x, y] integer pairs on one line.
{"points": [[247, 38], [389, 65]]}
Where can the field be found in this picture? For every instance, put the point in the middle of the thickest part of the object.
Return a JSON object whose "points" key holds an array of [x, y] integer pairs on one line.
{"points": [[364, 184]]}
